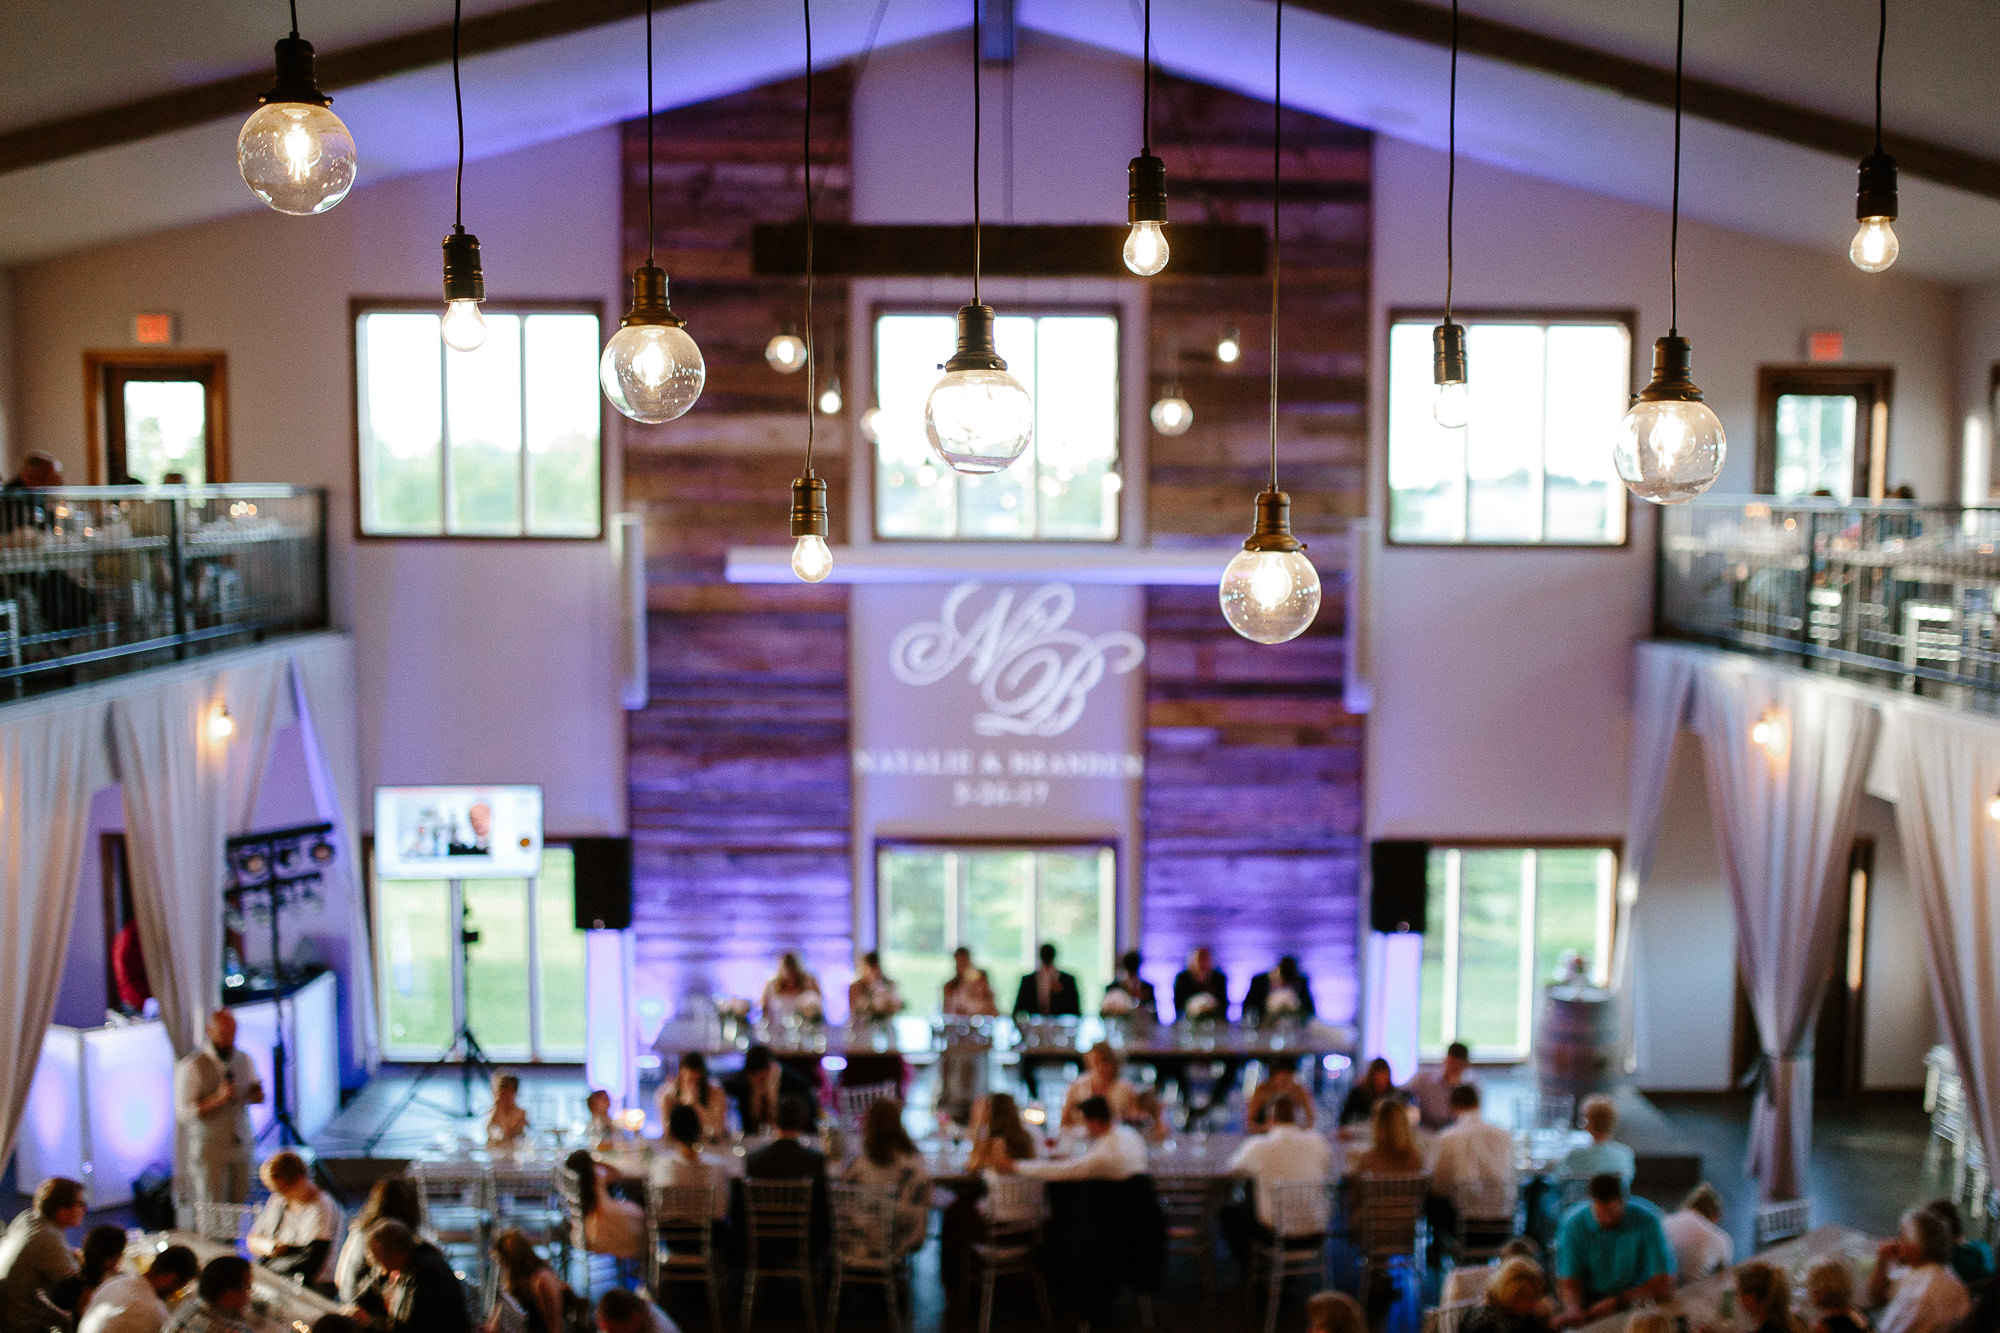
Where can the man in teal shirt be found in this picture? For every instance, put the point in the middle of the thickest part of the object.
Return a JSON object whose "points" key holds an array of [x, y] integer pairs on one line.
{"points": [[1610, 1253]]}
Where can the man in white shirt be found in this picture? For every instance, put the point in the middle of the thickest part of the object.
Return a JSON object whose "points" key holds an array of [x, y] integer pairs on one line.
{"points": [[1115, 1151], [1473, 1157], [135, 1303], [214, 1089], [1700, 1244], [35, 1255], [1283, 1155], [1913, 1281], [300, 1227]]}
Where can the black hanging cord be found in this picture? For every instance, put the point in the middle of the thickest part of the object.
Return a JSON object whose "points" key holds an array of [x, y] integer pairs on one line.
{"points": [[811, 406], [1146, 126], [649, 133], [975, 152], [1277, 121], [1674, 232], [458, 100], [1881, 42], [1451, 168], [295, 33]]}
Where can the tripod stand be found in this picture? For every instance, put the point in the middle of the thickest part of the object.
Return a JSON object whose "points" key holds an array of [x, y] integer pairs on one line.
{"points": [[274, 863], [464, 1050]]}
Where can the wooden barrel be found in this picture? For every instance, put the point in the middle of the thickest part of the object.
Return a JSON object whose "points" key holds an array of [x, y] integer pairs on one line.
{"points": [[1576, 1041]]}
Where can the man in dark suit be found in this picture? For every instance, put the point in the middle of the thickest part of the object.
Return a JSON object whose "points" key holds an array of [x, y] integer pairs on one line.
{"points": [[1202, 977], [763, 1087], [415, 1290], [785, 1158], [1284, 977], [1047, 992]]}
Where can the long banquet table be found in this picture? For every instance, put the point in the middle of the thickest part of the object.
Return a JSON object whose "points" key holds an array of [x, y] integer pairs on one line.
{"points": [[277, 1305]]}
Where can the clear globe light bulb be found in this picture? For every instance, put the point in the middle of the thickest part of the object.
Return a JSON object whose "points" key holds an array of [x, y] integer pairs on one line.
{"points": [[1270, 596], [652, 372], [978, 420], [830, 401], [1172, 415], [464, 328], [1146, 248], [1452, 405], [1875, 246], [297, 157], [786, 353], [812, 558], [1229, 350], [1669, 451]]}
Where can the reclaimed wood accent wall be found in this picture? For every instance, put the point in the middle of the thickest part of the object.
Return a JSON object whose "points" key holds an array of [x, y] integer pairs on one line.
{"points": [[1253, 804]]}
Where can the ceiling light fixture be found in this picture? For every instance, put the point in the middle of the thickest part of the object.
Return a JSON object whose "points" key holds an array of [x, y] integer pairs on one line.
{"points": [[1875, 246], [1229, 347], [978, 417], [1171, 413], [1270, 590], [1670, 444], [651, 369], [812, 559], [464, 328], [294, 153], [786, 352], [1146, 176], [1448, 367], [830, 401]]}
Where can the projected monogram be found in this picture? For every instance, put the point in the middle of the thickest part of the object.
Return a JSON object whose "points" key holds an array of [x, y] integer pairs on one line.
{"points": [[1033, 674]]}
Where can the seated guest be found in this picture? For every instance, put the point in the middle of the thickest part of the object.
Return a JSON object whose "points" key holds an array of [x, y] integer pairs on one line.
{"points": [[684, 1165], [1516, 1301], [969, 993], [222, 1300], [1603, 1154], [1830, 1288], [786, 1158], [1611, 1251], [1471, 1156], [414, 1289], [611, 1225], [889, 1161], [1765, 1294], [507, 1122], [1100, 1078], [622, 1311], [999, 1139], [393, 1198], [135, 1303], [35, 1258], [1464, 1285], [871, 996], [602, 1130], [792, 992], [1394, 1151], [295, 1234], [764, 1084], [527, 1277], [1114, 1151], [1700, 1244], [1201, 977], [103, 1251], [1972, 1260], [1334, 1312], [1284, 1155], [1047, 992], [1912, 1281], [1375, 1085], [1430, 1090], [1281, 1085], [1138, 992], [1282, 992], [692, 1087]]}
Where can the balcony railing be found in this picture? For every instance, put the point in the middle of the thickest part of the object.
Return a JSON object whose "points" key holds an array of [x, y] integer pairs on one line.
{"points": [[102, 580], [1901, 595]]}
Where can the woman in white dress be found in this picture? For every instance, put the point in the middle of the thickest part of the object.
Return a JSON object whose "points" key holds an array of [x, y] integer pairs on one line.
{"points": [[791, 994]]}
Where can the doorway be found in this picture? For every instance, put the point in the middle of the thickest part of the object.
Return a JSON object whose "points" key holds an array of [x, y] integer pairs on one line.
{"points": [[157, 417], [1823, 431]]}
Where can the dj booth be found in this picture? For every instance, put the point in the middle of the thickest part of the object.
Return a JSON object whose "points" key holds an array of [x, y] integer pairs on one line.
{"points": [[101, 1109]]}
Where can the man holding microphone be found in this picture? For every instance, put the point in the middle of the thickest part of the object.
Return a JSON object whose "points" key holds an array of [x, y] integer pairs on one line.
{"points": [[214, 1088]]}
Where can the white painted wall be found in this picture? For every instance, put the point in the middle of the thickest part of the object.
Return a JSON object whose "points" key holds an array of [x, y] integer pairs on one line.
{"points": [[477, 661], [1978, 356]]}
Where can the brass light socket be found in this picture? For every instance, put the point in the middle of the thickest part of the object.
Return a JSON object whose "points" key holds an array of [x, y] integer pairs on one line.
{"points": [[463, 280], [649, 300], [1876, 195], [1673, 372], [296, 81], [975, 341], [1448, 354], [1273, 531], [1146, 190], [808, 507]]}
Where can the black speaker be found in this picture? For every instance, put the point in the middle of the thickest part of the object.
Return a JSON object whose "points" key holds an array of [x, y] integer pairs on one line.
{"points": [[603, 883], [1399, 870]]}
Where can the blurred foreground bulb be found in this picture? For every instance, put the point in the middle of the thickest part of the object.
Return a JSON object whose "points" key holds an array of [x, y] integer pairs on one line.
{"points": [[1172, 415], [1146, 210], [651, 369], [1875, 246], [1229, 348], [830, 401], [812, 559], [1270, 590], [464, 328], [978, 417], [294, 153], [1993, 809], [1670, 445], [786, 353], [1452, 405], [871, 425]]}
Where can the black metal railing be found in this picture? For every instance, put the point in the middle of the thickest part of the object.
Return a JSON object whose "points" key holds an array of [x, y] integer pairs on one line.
{"points": [[1898, 594], [102, 580]]}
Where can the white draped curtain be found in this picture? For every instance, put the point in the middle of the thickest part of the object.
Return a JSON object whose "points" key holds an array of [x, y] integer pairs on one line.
{"points": [[50, 762], [1664, 680], [1783, 804], [1947, 774]]}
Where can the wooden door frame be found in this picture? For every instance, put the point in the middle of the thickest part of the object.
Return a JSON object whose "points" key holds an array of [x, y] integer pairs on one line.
{"points": [[1873, 386], [101, 414]]}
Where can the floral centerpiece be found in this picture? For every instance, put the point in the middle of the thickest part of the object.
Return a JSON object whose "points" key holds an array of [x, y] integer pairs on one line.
{"points": [[1203, 1010], [876, 1003], [1282, 1008], [1118, 1003], [810, 1008], [732, 1012]]}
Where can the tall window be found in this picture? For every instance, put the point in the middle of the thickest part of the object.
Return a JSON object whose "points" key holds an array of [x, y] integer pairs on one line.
{"points": [[523, 982], [1822, 430], [1499, 922], [506, 441], [1001, 903], [1534, 465], [1065, 489], [156, 415]]}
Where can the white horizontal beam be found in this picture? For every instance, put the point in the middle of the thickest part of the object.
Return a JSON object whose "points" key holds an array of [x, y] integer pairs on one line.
{"points": [[989, 562]]}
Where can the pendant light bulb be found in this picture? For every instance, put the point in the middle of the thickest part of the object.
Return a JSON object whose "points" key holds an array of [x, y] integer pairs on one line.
{"points": [[1171, 414], [786, 353], [978, 417], [1452, 402], [1670, 445], [294, 153], [1229, 347], [830, 400], [651, 370], [1146, 209], [1270, 591], [1993, 809], [1875, 246], [812, 558], [871, 425], [221, 726], [463, 327], [1146, 248]]}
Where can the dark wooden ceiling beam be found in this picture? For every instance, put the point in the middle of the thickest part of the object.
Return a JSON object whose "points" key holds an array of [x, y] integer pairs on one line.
{"points": [[1767, 117], [857, 250]]}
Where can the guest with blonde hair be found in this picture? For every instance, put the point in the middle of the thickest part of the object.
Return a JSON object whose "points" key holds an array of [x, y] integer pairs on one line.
{"points": [[1603, 1154], [1695, 1231], [1334, 1312], [1517, 1301], [1830, 1289], [1394, 1151]]}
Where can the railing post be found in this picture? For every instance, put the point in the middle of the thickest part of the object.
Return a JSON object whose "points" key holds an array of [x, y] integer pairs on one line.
{"points": [[1811, 582], [177, 571]]}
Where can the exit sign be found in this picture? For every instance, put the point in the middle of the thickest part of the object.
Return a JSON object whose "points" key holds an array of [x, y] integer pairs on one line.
{"points": [[1826, 345], [155, 330]]}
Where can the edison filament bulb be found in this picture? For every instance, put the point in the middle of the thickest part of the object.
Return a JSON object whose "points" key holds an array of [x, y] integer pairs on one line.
{"points": [[1670, 445]]}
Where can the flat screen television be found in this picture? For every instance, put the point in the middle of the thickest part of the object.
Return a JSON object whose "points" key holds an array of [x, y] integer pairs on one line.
{"points": [[458, 832]]}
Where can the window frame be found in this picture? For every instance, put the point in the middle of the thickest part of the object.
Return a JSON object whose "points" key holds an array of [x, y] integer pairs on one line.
{"points": [[1601, 966], [369, 305], [1034, 309], [1537, 315], [1872, 387], [105, 373]]}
